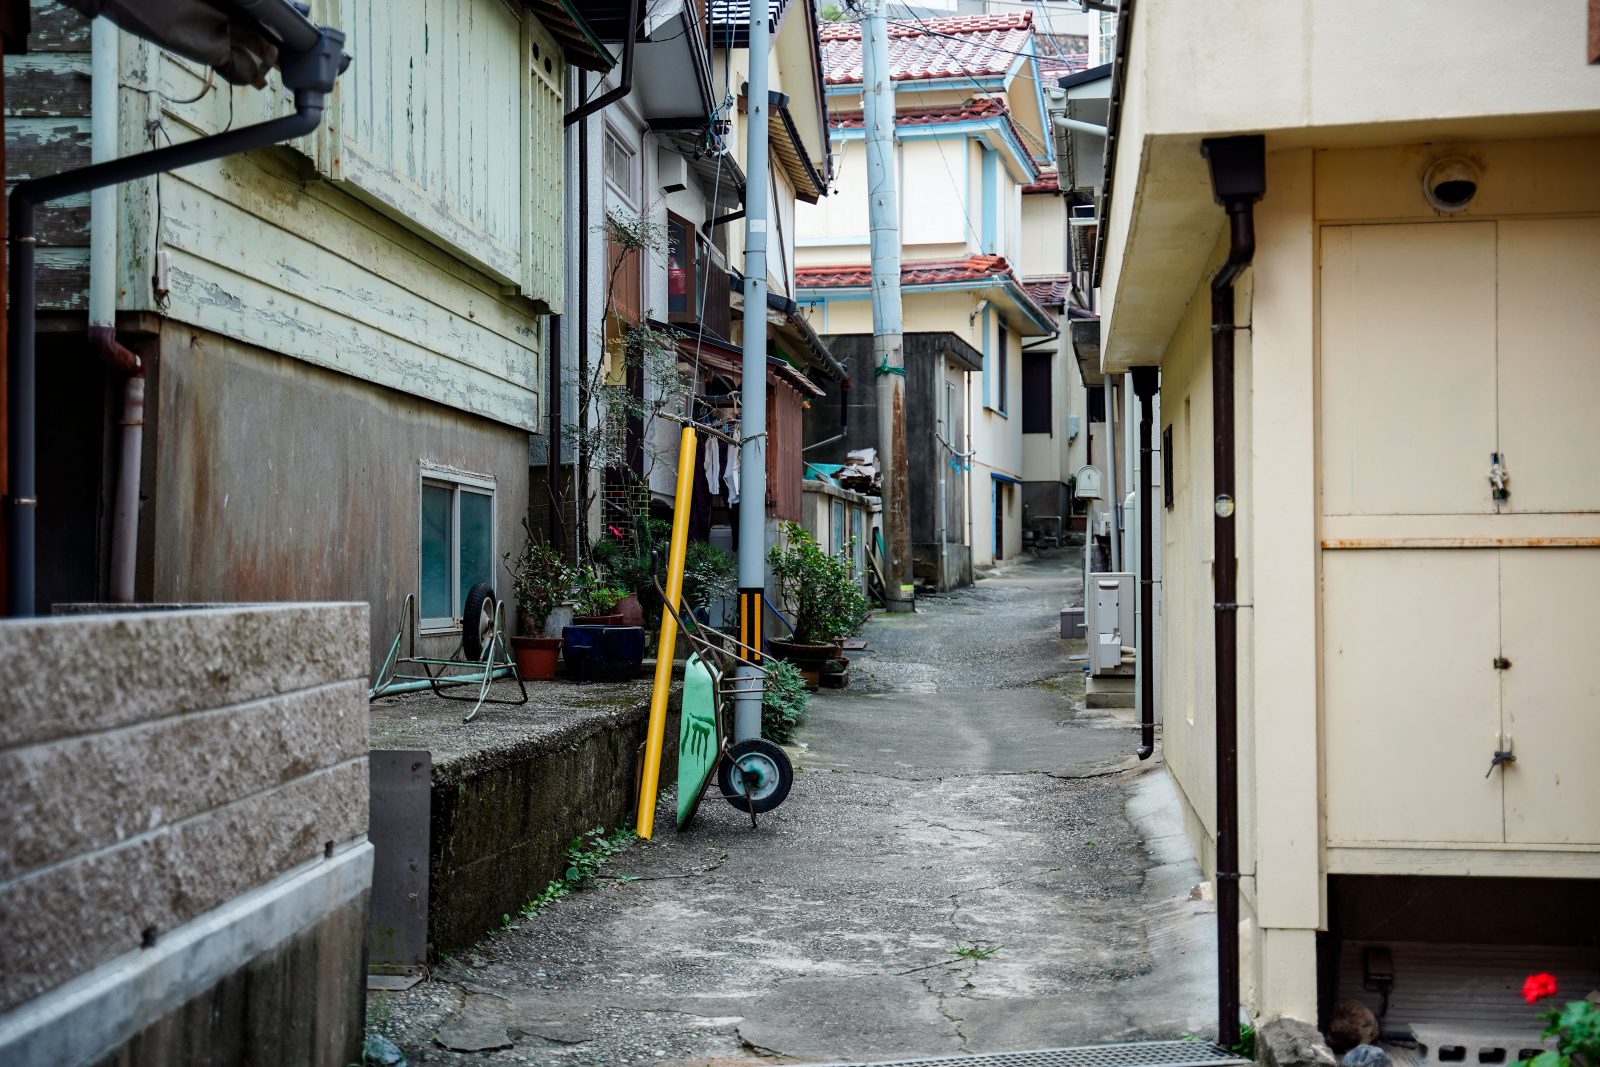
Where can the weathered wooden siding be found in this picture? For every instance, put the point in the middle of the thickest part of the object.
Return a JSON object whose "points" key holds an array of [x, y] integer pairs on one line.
{"points": [[315, 250], [47, 131]]}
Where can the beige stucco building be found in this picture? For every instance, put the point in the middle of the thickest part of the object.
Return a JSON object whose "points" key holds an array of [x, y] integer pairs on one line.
{"points": [[971, 132], [1421, 307]]}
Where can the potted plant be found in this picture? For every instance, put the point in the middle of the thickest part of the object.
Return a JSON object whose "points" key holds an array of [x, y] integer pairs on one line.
{"points": [[597, 601], [710, 575], [822, 592], [539, 579]]}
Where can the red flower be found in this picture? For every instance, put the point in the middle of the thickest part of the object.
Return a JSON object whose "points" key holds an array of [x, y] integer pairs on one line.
{"points": [[1538, 986]]}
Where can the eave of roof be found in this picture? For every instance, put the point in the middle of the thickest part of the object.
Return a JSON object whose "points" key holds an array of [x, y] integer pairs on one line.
{"points": [[578, 41]]}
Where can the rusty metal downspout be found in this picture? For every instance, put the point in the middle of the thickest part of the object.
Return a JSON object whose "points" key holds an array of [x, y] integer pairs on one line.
{"points": [[1238, 180]]}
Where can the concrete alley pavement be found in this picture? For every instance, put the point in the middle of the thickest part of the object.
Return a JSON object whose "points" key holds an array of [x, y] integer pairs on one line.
{"points": [[969, 861]]}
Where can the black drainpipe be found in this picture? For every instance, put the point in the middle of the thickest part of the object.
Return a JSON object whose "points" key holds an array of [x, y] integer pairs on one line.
{"points": [[309, 71], [624, 86], [1238, 179], [1144, 386], [552, 452]]}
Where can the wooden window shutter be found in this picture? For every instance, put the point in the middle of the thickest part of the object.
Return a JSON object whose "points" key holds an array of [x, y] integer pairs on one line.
{"points": [[544, 106]]}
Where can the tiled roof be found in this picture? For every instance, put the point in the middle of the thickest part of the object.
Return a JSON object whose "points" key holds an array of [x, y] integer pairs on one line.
{"points": [[973, 268], [1056, 66], [979, 268], [1049, 290], [973, 110], [959, 46], [1049, 182]]}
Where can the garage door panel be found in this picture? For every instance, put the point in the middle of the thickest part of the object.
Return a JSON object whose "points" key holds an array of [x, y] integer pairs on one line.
{"points": [[1410, 702], [1407, 368], [1549, 362], [1550, 630]]}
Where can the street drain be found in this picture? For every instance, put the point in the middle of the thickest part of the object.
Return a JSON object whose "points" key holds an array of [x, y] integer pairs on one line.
{"points": [[1137, 1054]]}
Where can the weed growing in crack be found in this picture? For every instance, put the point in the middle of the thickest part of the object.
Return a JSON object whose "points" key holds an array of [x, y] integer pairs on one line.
{"points": [[976, 950], [586, 856]]}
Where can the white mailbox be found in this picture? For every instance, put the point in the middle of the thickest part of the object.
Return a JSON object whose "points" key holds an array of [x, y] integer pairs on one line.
{"points": [[1110, 621], [1086, 483]]}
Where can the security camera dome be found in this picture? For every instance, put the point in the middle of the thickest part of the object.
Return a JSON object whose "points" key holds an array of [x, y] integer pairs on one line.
{"points": [[1451, 183]]}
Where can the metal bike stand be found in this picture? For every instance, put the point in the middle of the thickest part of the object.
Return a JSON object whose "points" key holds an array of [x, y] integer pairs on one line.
{"points": [[496, 658]]}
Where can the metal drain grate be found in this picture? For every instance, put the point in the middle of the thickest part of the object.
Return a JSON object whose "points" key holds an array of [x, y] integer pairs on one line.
{"points": [[1138, 1054]]}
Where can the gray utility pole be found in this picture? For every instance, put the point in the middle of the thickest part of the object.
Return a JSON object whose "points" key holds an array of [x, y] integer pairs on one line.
{"points": [[753, 388], [888, 335]]}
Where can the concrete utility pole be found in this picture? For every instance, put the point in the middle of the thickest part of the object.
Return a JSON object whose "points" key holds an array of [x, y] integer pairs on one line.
{"points": [[888, 337], [753, 388]]}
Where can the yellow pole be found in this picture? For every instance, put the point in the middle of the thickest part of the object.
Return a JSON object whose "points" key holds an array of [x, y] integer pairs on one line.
{"points": [[656, 734]]}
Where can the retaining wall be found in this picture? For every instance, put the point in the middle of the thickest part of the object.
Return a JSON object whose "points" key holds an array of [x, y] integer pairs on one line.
{"points": [[183, 856]]}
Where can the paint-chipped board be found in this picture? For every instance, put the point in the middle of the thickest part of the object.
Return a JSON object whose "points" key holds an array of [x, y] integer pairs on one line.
{"points": [[57, 28], [240, 307], [61, 279], [47, 85], [302, 270], [39, 147], [258, 197]]}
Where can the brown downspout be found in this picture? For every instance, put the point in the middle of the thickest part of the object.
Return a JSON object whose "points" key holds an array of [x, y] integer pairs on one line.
{"points": [[1144, 386], [1238, 179]]}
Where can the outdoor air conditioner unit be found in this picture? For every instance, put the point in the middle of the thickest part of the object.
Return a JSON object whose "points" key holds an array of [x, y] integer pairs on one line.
{"points": [[1109, 619], [673, 171]]}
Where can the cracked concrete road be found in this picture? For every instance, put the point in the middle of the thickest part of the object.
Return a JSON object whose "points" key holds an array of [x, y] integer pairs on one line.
{"points": [[969, 861]]}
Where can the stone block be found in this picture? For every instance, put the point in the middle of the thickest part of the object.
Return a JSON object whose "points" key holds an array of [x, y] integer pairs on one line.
{"points": [[1292, 1043], [76, 674], [73, 916], [75, 795]]}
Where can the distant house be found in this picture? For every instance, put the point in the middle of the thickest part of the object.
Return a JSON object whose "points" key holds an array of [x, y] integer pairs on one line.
{"points": [[1414, 506], [972, 131], [343, 338]]}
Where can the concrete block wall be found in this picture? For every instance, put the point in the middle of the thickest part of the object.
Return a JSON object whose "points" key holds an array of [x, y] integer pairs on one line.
{"points": [[164, 769]]}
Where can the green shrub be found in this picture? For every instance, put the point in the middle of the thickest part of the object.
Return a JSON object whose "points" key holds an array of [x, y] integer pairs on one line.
{"points": [[783, 703], [821, 589]]}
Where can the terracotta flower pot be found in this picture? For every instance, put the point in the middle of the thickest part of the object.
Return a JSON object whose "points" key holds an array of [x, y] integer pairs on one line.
{"points": [[536, 657], [613, 619], [628, 607]]}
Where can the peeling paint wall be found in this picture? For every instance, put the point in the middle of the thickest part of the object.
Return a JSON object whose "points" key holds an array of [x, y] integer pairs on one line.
{"points": [[272, 479], [47, 131], [396, 243]]}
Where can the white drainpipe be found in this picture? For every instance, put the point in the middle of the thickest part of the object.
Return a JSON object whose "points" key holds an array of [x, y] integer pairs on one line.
{"points": [[106, 74]]}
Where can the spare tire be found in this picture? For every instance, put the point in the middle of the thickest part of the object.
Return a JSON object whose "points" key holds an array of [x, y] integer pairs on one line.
{"points": [[477, 620]]}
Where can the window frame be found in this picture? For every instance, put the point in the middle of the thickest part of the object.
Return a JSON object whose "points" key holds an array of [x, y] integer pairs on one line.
{"points": [[695, 261], [629, 195], [458, 482], [1003, 345]]}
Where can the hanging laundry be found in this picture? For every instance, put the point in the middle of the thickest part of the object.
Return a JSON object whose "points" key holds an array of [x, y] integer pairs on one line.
{"points": [[714, 465], [730, 476]]}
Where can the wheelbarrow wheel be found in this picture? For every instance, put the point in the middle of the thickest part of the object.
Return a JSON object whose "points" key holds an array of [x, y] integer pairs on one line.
{"points": [[756, 775], [477, 621]]}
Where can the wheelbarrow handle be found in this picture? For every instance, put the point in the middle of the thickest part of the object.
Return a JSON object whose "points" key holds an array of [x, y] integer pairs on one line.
{"points": [[701, 644]]}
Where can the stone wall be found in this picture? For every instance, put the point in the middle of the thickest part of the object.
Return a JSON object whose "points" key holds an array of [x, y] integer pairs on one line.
{"points": [[502, 819], [186, 795]]}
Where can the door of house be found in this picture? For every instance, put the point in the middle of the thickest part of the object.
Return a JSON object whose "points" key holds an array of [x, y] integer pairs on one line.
{"points": [[1458, 622]]}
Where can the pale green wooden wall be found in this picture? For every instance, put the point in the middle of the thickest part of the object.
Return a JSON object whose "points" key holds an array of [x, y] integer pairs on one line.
{"points": [[413, 241]]}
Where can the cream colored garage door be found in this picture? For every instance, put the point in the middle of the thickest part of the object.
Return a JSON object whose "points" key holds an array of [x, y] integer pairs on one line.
{"points": [[1442, 344]]}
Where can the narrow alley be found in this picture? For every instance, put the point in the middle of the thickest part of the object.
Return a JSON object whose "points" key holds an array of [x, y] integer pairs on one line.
{"points": [[969, 862]]}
